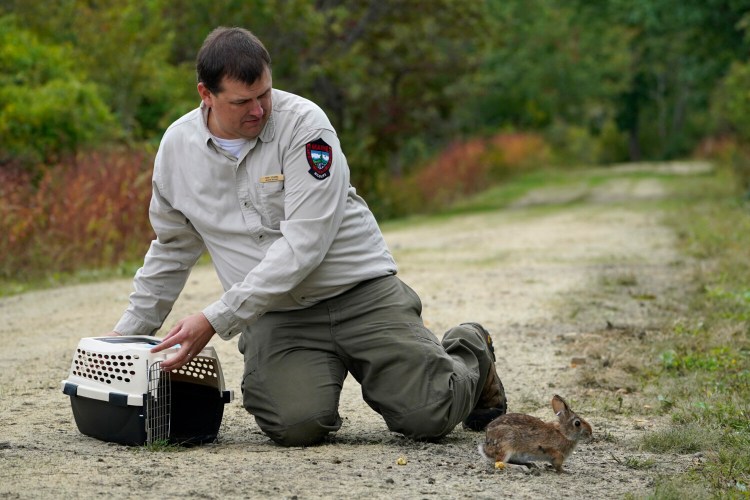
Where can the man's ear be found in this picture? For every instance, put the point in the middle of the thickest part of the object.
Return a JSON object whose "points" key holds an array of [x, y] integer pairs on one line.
{"points": [[206, 95]]}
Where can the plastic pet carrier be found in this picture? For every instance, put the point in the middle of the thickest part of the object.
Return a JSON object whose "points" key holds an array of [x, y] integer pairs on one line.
{"points": [[119, 393]]}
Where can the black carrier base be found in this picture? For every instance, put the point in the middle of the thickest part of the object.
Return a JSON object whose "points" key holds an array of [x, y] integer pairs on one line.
{"points": [[195, 416]]}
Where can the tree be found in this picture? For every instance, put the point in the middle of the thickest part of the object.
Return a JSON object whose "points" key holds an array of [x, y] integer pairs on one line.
{"points": [[124, 47], [680, 49], [549, 61], [390, 73], [46, 108]]}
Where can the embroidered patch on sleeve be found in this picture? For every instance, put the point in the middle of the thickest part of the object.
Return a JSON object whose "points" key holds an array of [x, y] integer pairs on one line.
{"points": [[319, 157]]}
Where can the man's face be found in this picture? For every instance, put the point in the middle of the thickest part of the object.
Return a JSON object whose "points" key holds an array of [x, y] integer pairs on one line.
{"points": [[239, 111]]}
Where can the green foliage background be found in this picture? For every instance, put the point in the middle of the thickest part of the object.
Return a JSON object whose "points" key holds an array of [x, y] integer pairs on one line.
{"points": [[433, 99], [608, 81]]}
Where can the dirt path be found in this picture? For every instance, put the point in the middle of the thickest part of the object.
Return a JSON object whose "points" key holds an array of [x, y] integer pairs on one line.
{"points": [[545, 281]]}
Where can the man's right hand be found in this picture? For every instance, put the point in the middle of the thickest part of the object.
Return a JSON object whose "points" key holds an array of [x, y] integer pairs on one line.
{"points": [[192, 333]]}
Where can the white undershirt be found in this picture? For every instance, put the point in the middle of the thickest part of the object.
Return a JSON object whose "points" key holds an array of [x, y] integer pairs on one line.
{"points": [[234, 146]]}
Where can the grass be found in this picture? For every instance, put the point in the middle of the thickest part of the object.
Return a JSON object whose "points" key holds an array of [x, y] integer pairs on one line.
{"points": [[162, 446], [670, 488], [681, 439], [704, 359], [125, 270], [637, 463], [54, 279]]}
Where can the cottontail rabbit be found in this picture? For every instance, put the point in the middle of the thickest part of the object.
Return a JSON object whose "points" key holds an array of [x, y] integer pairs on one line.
{"points": [[518, 439]]}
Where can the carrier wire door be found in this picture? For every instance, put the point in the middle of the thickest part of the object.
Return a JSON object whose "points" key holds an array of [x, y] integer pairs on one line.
{"points": [[158, 405]]}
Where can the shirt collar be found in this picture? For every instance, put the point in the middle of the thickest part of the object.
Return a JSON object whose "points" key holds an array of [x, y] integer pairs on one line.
{"points": [[204, 123], [266, 135]]}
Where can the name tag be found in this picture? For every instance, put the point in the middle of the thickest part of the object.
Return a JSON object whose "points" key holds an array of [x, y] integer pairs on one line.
{"points": [[272, 178]]}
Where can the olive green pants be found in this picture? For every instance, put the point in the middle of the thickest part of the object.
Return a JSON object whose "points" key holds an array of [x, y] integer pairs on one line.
{"points": [[296, 363]]}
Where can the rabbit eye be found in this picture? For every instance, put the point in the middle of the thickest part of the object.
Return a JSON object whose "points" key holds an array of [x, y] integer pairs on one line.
{"points": [[577, 423]]}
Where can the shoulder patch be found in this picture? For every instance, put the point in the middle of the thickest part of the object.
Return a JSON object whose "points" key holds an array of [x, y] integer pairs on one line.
{"points": [[319, 157]]}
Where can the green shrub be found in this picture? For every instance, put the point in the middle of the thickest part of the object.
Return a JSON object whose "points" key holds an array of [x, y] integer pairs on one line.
{"points": [[46, 109], [731, 105], [573, 144]]}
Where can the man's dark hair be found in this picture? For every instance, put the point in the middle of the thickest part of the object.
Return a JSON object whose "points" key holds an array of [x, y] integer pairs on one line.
{"points": [[232, 52]]}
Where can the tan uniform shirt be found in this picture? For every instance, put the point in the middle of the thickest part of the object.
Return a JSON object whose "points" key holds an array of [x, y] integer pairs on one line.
{"points": [[283, 231]]}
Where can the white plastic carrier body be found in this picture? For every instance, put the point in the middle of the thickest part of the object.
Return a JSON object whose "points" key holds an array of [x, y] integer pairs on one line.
{"points": [[116, 368]]}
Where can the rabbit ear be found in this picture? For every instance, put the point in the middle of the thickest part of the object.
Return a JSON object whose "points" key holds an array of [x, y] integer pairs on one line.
{"points": [[559, 406]]}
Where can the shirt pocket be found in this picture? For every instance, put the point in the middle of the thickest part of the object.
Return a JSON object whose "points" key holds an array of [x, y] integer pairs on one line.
{"points": [[272, 203]]}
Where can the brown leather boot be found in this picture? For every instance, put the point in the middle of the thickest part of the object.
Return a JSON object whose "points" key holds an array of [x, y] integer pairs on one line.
{"points": [[492, 401]]}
